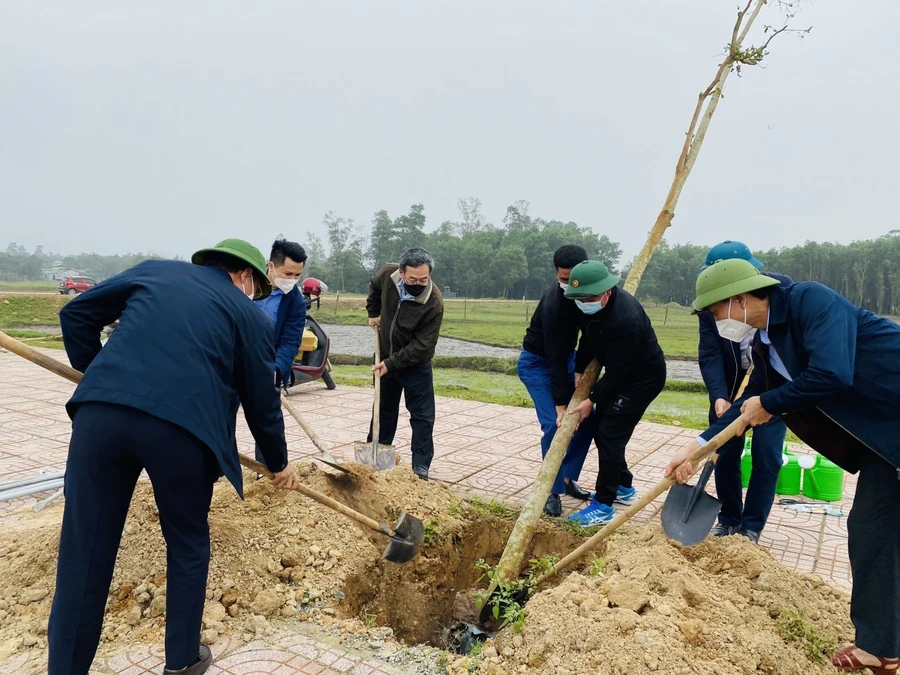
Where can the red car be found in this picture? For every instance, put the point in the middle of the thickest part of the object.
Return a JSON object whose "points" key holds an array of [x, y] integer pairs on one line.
{"points": [[76, 285]]}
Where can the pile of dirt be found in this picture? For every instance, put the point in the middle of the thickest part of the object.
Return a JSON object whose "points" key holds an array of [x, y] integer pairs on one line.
{"points": [[647, 605], [276, 557], [723, 607]]}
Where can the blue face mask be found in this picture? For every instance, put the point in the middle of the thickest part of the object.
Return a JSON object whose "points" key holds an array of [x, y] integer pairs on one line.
{"points": [[589, 307]]}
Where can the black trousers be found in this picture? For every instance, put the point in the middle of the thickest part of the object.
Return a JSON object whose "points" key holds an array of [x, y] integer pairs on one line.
{"points": [[766, 446], [110, 446], [874, 546], [417, 386], [613, 428]]}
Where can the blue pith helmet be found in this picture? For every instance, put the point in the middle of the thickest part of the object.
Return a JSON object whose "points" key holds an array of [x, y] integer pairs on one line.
{"points": [[729, 250]]}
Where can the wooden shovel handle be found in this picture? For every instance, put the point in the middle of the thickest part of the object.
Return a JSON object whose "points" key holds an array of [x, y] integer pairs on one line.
{"points": [[20, 348], [51, 364], [323, 499], [711, 446], [376, 405], [303, 425]]}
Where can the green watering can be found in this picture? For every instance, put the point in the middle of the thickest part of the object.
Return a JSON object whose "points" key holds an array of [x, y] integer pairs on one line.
{"points": [[823, 480]]}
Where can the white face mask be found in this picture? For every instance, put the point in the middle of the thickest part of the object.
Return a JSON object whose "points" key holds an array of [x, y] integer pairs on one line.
{"points": [[732, 329], [589, 307], [286, 285], [252, 293], [563, 286]]}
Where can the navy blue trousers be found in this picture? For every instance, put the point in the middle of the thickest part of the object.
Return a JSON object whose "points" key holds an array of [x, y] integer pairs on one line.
{"points": [[110, 446], [766, 446], [535, 375], [873, 543]]}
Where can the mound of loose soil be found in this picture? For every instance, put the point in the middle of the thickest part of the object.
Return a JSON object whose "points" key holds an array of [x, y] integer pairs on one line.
{"points": [[720, 608], [276, 556]]}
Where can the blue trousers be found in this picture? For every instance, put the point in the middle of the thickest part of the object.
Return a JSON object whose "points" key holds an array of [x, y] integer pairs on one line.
{"points": [[110, 446], [766, 447], [535, 375]]}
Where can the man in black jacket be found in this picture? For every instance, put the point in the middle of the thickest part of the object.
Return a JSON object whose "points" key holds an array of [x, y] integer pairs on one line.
{"points": [[617, 332], [161, 395], [406, 308], [547, 367], [723, 364]]}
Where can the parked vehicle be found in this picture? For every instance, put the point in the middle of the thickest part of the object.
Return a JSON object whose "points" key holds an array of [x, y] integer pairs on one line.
{"points": [[75, 285], [312, 364]]}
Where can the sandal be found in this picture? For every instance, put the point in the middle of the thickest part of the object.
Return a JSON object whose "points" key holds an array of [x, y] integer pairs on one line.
{"points": [[846, 659]]}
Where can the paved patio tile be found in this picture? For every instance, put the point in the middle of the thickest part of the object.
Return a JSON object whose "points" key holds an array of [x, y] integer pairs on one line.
{"points": [[484, 449]]}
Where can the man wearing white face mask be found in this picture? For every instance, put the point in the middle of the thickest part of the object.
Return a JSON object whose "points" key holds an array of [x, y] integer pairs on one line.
{"points": [[724, 357], [617, 332], [831, 371], [285, 306], [161, 396]]}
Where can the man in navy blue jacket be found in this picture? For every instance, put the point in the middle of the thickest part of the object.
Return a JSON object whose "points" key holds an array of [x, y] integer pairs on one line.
{"points": [[161, 395], [831, 371], [286, 308], [723, 364]]}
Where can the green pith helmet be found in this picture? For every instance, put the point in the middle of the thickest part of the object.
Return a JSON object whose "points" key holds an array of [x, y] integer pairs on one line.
{"points": [[589, 279], [246, 252], [726, 279]]}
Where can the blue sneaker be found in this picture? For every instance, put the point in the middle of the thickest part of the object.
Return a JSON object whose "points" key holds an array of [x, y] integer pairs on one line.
{"points": [[594, 513], [626, 496]]}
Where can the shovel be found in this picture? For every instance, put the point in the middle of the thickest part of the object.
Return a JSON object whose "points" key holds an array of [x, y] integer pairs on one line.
{"points": [[405, 539], [520, 596], [325, 457], [379, 457], [689, 513]]}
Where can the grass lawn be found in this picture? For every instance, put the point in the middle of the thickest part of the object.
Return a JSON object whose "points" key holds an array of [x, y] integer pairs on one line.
{"points": [[686, 409], [29, 286], [677, 408], [19, 311]]}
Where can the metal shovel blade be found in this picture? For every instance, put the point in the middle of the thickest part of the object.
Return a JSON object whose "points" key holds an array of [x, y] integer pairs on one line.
{"points": [[380, 458], [328, 458], [689, 513], [408, 535]]}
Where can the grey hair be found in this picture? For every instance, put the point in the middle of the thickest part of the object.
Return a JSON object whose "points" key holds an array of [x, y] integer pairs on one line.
{"points": [[416, 257]]}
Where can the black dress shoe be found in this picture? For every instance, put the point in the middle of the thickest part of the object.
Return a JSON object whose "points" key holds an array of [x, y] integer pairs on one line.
{"points": [[202, 665], [574, 490], [751, 535], [723, 530], [421, 472], [553, 507]]}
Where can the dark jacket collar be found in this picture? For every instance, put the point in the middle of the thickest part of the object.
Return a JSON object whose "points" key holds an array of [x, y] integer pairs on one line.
{"points": [[778, 306]]}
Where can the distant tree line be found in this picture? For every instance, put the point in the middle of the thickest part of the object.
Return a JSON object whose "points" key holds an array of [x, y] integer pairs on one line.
{"points": [[17, 264], [479, 259], [865, 272], [473, 257]]}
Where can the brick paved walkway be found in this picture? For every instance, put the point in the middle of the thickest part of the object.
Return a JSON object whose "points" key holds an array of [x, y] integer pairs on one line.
{"points": [[486, 449]]}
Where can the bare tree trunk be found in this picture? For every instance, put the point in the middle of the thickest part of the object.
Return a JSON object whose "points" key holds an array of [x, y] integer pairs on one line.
{"points": [[695, 135], [510, 565]]}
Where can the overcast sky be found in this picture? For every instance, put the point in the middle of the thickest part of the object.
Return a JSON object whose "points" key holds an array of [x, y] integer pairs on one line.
{"points": [[166, 126]]}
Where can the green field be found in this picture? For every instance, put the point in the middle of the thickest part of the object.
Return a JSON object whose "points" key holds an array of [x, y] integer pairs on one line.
{"points": [[29, 286], [19, 311], [502, 323]]}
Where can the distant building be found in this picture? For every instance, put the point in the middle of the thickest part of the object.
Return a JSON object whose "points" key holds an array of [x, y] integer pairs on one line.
{"points": [[447, 293], [60, 273]]}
